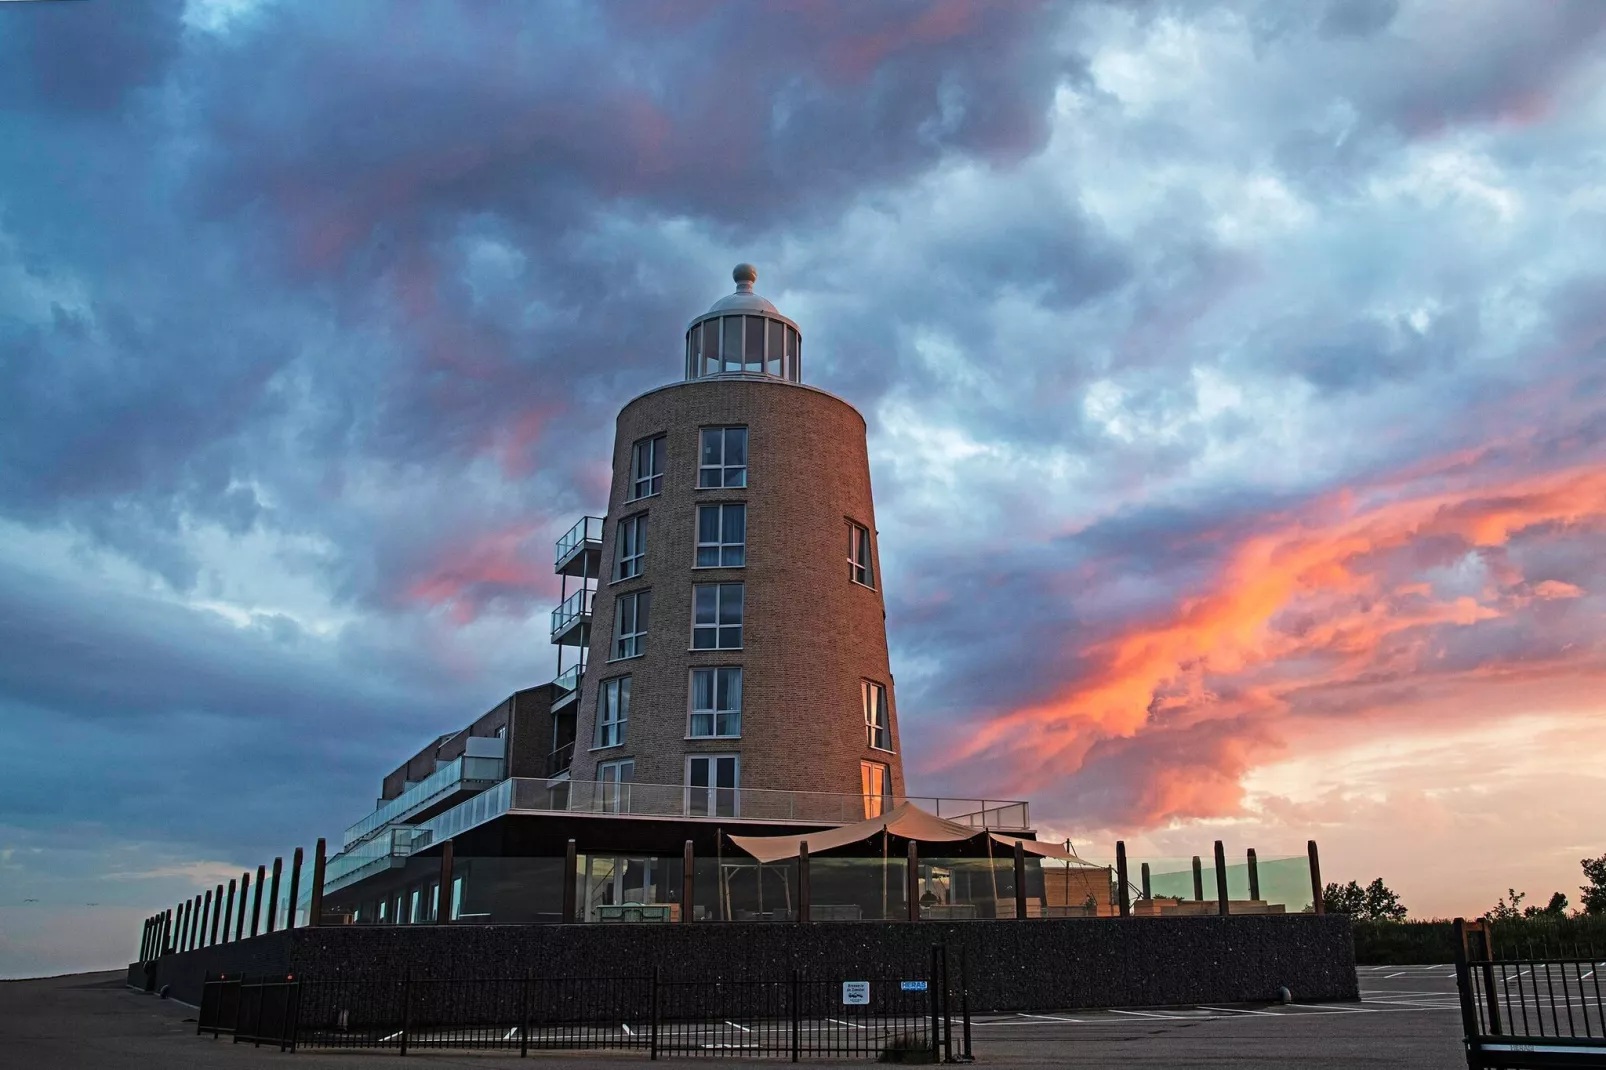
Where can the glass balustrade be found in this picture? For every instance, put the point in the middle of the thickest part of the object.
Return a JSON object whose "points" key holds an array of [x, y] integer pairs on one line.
{"points": [[461, 774]]}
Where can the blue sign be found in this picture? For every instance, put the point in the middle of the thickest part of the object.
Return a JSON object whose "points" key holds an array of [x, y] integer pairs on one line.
{"points": [[914, 986]]}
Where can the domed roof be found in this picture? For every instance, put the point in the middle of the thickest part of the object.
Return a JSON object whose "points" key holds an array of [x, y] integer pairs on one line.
{"points": [[744, 299]]}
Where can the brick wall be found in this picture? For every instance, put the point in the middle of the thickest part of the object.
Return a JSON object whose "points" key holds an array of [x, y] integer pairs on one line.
{"points": [[810, 635]]}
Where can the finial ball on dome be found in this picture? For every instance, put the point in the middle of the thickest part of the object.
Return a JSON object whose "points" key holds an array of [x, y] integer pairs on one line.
{"points": [[745, 275]]}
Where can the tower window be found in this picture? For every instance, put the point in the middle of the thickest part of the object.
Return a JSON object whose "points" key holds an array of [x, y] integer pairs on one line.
{"points": [[632, 548], [630, 626], [861, 568], [647, 467], [613, 711], [876, 779], [723, 457], [722, 535], [877, 722], [711, 785], [613, 785], [716, 616], [716, 703]]}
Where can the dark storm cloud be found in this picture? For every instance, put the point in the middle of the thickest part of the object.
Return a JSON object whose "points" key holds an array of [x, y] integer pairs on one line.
{"points": [[81, 62], [1357, 18]]}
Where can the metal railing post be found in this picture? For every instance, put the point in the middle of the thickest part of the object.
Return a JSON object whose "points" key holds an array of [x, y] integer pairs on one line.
{"points": [[1317, 906], [1221, 878], [803, 887], [936, 1007], [797, 1014], [524, 1018], [688, 881], [1020, 880], [912, 882], [1125, 900], [1463, 984], [653, 1043], [407, 1006], [443, 893], [319, 864], [964, 1003], [571, 865], [1254, 875]]}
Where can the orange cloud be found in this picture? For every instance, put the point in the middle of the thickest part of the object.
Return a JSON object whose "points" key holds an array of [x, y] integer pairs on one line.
{"points": [[513, 564], [1361, 585]]}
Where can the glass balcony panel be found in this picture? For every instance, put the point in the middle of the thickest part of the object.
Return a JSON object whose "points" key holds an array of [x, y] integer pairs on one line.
{"points": [[575, 608], [588, 529]]}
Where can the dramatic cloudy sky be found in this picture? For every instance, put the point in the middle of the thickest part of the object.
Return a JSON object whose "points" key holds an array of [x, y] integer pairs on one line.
{"points": [[1235, 374]]}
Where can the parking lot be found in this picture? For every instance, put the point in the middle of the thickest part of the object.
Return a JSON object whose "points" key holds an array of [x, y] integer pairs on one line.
{"points": [[1407, 1017]]}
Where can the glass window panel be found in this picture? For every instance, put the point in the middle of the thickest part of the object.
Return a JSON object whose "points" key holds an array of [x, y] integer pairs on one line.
{"points": [[730, 603], [726, 771], [699, 773], [792, 356], [755, 344], [707, 603], [734, 521], [708, 346], [713, 447], [776, 348], [733, 343], [708, 523]]}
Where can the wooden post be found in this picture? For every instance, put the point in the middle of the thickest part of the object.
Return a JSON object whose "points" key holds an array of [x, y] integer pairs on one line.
{"points": [[206, 915], [228, 914], [165, 941], [443, 894], [688, 880], [1221, 878], [1125, 901], [217, 912], [256, 905], [192, 923], [1254, 875], [182, 929], [1145, 871], [273, 893], [1020, 881], [571, 866], [911, 881], [295, 890], [319, 862], [1315, 879], [803, 889], [1198, 881]]}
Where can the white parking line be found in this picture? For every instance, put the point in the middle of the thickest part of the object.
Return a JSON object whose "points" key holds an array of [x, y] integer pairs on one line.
{"points": [[393, 1036], [1239, 1010], [1052, 1018], [1169, 1017], [855, 1025], [733, 1025], [511, 1033]]}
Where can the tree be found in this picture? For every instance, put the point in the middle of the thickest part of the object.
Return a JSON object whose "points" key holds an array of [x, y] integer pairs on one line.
{"points": [[1505, 911], [1375, 902], [1595, 893], [1556, 908]]}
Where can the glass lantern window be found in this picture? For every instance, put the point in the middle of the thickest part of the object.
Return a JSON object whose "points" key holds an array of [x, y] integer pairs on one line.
{"points": [[708, 345], [776, 347], [733, 343], [792, 371], [754, 352]]}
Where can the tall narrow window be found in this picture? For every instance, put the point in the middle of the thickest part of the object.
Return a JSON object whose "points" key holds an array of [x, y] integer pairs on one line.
{"points": [[632, 547], [876, 779], [613, 786], [861, 568], [647, 467], [716, 703], [613, 711], [775, 348], [733, 343], [877, 723], [722, 535], [630, 627], [711, 785], [723, 457], [716, 616]]}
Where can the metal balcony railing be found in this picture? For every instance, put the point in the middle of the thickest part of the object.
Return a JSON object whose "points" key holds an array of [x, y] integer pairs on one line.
{"points": [[566, 685], [560, 760], [587, 530], [462, 774], [531, 795], [576, 609]]}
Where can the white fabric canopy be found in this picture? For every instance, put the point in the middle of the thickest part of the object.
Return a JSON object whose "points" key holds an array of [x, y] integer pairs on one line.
{"points": [[1045, 850], [905, 819]]}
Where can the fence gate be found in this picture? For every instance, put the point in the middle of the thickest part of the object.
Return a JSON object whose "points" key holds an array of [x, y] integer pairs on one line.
{"points": [[1536, 1011], [794, 1016]]}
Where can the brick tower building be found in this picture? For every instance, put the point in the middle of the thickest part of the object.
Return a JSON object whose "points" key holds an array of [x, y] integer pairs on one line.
{"points": [[738, 637]]}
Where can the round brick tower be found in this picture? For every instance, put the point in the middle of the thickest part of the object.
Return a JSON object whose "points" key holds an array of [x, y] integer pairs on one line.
{"points": [[739, 640]]}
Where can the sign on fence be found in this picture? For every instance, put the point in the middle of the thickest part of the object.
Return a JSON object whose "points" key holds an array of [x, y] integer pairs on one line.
{"points": [[913, 986], [855, 993]]}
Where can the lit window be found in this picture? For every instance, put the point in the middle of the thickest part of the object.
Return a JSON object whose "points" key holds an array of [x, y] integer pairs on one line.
{"points": [[722, 535], [613, 786], [876, 778], [630, 630], [877, 724], [723, 457], [647, 467], [613, 711], [711, 785], [860, 567], [716, 702], [716, 616], [632, 547]]}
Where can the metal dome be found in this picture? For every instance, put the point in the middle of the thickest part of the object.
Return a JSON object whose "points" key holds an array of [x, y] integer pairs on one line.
{"points": [[743, 334]]}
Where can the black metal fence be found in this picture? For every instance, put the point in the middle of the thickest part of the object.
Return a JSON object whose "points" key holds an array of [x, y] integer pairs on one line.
{"points": [[1535, 1010], [792, 1017]]}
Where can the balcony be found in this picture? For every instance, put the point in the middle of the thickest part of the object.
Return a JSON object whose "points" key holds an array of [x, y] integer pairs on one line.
{"points": [[580, 549], [522, 795], [558, 762], [566, 686], [465, 774], [571, 621], [374, 855]]}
